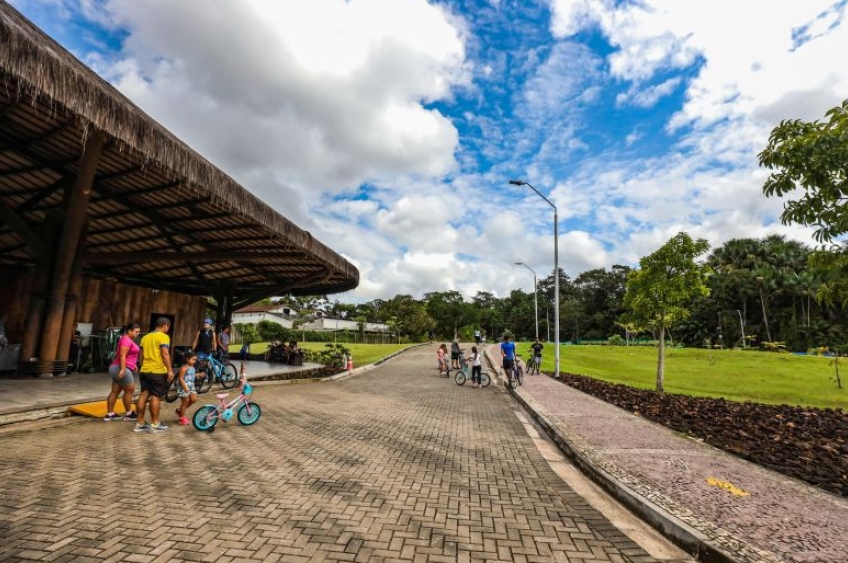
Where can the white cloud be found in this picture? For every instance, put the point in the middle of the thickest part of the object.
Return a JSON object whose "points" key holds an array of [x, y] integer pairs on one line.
{"points": [[647, 97], [752, 71], [325, 94], [303, 102]]}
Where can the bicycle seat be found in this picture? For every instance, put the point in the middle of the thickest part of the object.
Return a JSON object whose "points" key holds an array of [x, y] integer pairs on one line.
{"points": [[222, 395]]}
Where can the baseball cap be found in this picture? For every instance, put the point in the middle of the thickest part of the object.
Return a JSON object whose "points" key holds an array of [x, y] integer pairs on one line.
{"points": [[207, 321]]}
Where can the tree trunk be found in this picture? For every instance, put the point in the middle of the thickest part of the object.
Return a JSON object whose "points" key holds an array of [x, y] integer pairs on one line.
{"points": [[661, 361], [765, 317]]}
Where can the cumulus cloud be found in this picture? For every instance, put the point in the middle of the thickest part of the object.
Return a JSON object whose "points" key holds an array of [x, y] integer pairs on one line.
{"points": [[765, 63], [325, 94], [389, 128]]}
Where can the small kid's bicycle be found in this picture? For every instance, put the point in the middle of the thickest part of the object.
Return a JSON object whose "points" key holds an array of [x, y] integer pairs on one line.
{"points": [[516, 374], [463, 374], [532, 366], [248, 412]]}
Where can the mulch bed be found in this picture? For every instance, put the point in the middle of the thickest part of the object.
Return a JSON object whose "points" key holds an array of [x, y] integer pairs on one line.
{"points": [[805, 443]]}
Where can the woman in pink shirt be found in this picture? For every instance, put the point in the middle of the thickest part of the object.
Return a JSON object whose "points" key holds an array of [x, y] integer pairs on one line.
{"points": [[443, 363], [122, 370]]}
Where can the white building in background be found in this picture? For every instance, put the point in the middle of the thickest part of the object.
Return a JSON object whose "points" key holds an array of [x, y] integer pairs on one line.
{"points": [[324, 323], [286, 315]]}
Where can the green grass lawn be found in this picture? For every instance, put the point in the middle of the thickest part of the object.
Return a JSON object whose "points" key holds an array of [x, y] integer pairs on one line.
{"points": [[736, 375], [363, 354]]}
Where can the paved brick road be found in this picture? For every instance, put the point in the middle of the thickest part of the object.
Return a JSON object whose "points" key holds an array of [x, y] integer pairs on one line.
{"points": [[395, 464]]}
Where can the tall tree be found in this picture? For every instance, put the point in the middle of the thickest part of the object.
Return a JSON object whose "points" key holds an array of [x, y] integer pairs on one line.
{"points": [[667, 281], [407, 316], [813, 156], [450, 311]]}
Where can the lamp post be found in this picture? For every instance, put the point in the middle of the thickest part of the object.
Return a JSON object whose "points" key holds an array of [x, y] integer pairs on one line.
{"points": [[556, 269], [535, 295], [741, 323]]}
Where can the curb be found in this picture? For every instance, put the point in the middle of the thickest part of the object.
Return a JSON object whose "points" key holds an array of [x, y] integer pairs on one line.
{"points": [[685, 536]]}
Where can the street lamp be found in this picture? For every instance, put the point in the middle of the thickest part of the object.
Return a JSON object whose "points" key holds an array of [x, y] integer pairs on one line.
{"points": [[556, 269], [741, 323], [535, 295]]}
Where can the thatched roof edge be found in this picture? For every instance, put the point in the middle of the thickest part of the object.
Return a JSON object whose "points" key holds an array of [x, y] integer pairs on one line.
{"points": [[46, 70]]}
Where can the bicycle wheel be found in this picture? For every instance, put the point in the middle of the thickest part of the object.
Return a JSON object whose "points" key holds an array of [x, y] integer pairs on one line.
{"points": [[206, 418], [513, 382], [485, 380], [203, 381], [249, 413], [460, 377], [229, 376], [173, 388], [520, 375]]}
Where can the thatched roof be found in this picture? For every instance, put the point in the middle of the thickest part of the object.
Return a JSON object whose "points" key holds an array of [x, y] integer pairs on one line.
{"points": [[152, 193]]}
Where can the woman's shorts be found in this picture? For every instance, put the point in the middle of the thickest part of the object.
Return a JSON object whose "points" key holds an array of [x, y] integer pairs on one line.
{"points": [[191, 390], [125, 381]]}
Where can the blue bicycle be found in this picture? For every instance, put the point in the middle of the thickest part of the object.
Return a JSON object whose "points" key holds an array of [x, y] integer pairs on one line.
{"points": [[209, 370]]}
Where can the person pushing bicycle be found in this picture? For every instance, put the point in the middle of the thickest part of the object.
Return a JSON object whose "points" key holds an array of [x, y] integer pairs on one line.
{"points": [[537, 348], [508, 355]]}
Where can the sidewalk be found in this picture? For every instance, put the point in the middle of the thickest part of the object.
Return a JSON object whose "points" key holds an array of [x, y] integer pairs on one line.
{"points": [[31, 399], [705, 499]]}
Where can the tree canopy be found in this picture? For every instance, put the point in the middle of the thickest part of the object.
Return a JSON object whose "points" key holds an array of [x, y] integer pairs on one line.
{"points": [[813, 156]]}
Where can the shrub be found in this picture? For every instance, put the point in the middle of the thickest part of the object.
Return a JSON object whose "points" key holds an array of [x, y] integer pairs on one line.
{"points": [[616, 340]]}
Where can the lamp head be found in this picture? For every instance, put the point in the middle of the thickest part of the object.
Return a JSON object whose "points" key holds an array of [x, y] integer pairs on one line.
{"points": [[517, 182]]}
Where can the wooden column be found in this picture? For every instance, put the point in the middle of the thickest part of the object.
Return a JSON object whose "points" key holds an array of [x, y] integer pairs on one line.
{"points": [[228, 306], [43, 267], [75, 218], [70, 316], [219, 311]]}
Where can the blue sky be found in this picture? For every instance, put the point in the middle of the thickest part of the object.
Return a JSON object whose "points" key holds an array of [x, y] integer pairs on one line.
{"points": [[390, 128]]}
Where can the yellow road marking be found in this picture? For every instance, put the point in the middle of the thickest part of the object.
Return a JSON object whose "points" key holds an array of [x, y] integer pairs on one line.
{"points": [[729, 487]]}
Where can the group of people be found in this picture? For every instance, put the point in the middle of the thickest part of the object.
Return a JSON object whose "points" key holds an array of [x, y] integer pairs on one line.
{"points": [[152, 363], [508, 357], [281, 352], [476, 361], [508, 354]]}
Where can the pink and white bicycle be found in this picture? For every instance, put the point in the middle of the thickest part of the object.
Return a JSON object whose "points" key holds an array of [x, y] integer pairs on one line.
{"points": [[246, 411]]}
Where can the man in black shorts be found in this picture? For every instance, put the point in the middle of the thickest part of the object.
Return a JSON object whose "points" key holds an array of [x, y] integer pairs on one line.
{"points": [[156, 374]]}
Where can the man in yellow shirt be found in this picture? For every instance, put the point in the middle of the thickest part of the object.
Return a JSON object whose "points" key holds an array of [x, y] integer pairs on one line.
{"points": [[156, 374]]}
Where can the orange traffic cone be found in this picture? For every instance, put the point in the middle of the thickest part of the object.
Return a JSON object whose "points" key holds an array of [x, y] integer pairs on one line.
{"points": [[350, 363]]}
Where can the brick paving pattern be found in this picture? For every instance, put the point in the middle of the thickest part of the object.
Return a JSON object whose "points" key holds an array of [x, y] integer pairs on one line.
{"points": [[395, 464], [781, 519], [26, 395]]}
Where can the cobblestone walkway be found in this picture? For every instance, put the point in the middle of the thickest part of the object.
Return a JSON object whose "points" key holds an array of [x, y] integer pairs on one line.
{"points": [[396, 464]]}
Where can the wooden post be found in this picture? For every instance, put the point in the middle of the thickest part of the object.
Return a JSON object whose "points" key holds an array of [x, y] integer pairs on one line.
{"points": [[228, 305], [75, 218], [35, 315], [70, 316], [219, 311]]}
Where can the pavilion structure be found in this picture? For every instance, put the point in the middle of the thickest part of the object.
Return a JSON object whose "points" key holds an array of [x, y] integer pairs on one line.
{"points": [[104, 214]]}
